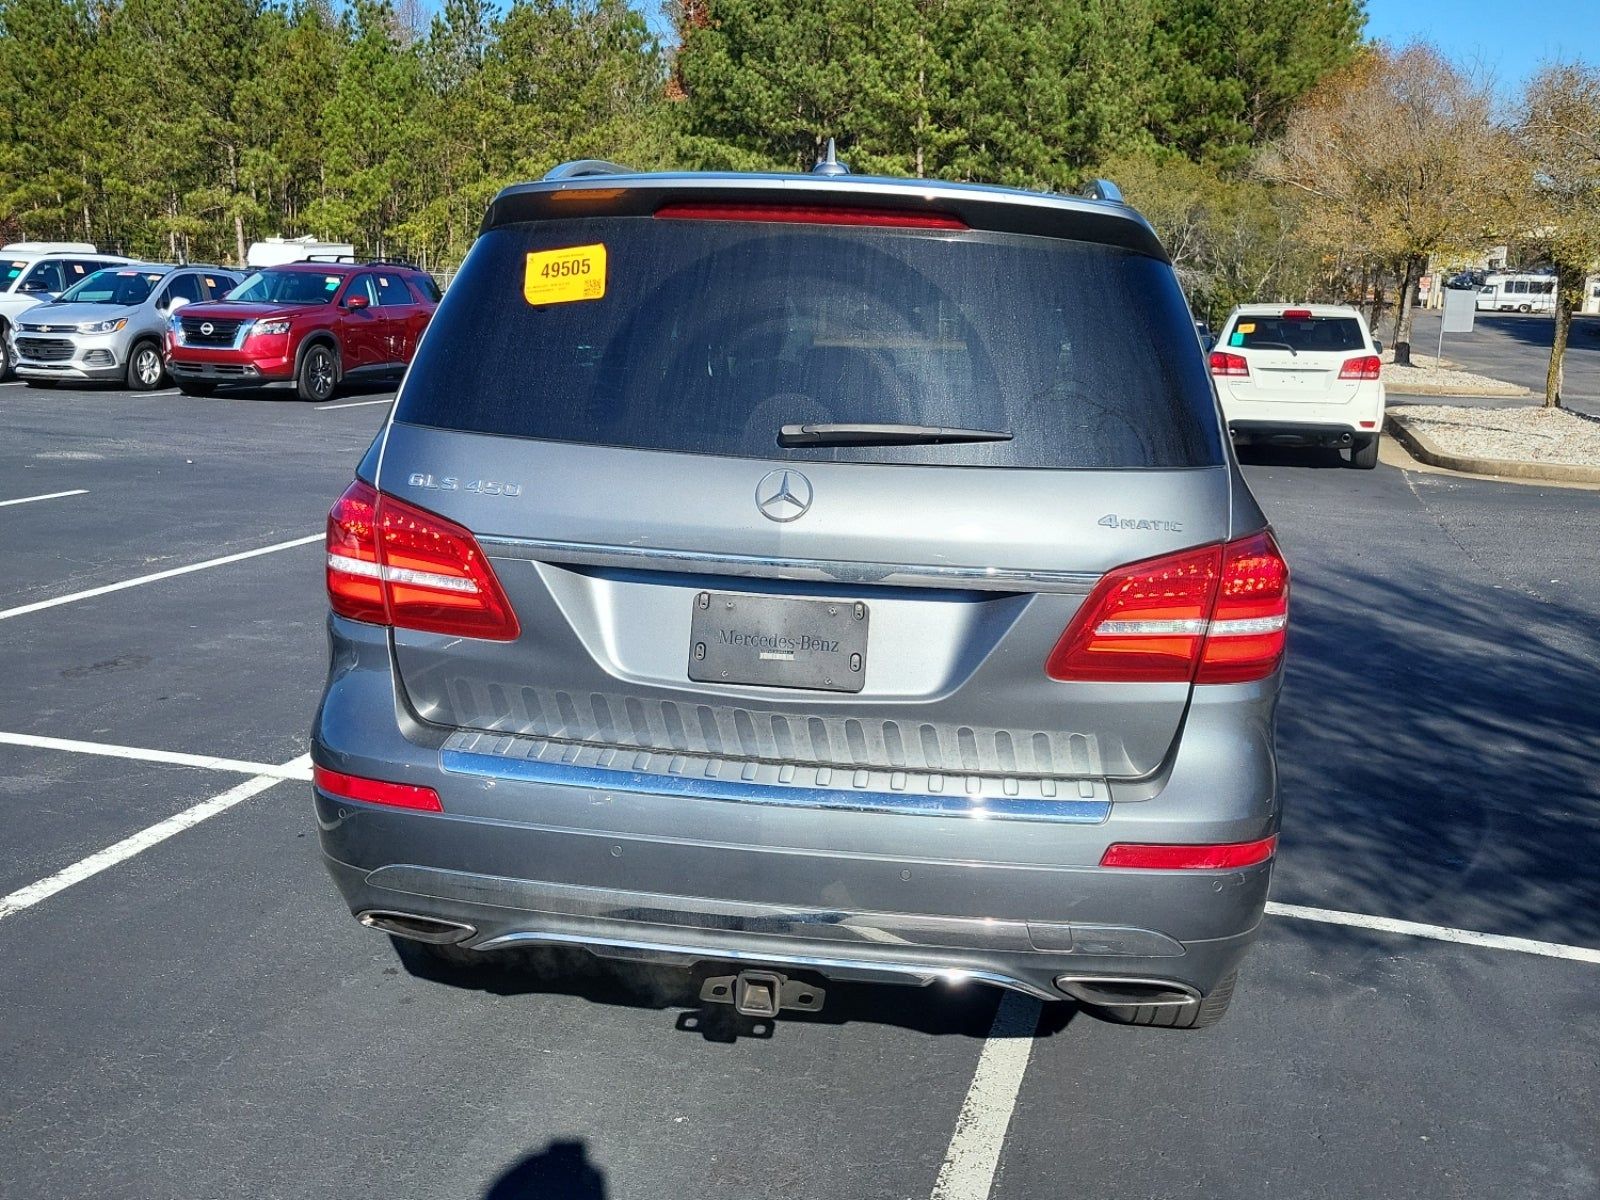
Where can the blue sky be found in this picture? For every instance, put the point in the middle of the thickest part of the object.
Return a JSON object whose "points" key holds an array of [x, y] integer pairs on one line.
{"points": [[1509, 38]]}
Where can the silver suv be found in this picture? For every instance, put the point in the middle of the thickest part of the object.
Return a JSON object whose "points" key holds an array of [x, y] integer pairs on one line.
{"points": [[804, 578], [110, 326], [34, 273]]}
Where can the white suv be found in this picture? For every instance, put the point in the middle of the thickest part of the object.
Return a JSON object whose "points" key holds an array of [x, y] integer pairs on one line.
{"points": [[1306, 375]]}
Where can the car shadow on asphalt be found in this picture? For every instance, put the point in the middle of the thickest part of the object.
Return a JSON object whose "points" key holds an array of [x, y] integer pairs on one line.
{"points": [[1436, 748], [1323, 457], [561, 1171], [938, 1009]]}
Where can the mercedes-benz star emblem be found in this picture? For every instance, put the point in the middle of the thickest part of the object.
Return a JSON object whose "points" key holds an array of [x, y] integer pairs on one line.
{"points": [[207, 329], [783, 495]]}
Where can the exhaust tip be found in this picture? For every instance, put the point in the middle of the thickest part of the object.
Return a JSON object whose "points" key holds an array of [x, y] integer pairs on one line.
{"points": [[1115, 992], [417, 928]]}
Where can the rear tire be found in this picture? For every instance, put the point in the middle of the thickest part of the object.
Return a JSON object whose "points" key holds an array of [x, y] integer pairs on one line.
{"points": [[1364, 455], [197, 389], [319, 374], [145, 367], [1208, 1012]]}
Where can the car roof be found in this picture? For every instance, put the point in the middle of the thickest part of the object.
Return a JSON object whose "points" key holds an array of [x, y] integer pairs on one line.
{"points": [[1277, 310], [981, 206]]}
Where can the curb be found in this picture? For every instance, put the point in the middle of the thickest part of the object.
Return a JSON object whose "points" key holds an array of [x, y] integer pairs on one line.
{"points": [[1437, 389], [1506, 468]]}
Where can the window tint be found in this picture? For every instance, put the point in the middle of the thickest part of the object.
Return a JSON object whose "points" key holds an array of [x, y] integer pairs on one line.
{"points": [[218, 285], [361, 286], [187, 286], [1282, 333], [391, 291], [425, 288], [709, 336], [79, 268], [45, 277]]}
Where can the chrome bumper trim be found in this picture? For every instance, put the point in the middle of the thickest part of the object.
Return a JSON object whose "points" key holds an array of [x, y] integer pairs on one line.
{"points": [[862, 968], [997, 579], [609, 779]]}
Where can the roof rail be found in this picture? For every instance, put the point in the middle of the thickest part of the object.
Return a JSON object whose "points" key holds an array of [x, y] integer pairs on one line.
{"points": [[1103, 189], [358, 261], [578, 168]]}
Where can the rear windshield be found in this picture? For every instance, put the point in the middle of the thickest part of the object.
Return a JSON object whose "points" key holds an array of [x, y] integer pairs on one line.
{"points": [[1305, 333], [709, 336]]}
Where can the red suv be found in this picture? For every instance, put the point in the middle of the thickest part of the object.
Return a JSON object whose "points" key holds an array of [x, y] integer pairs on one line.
{"points": [[315, 323]]}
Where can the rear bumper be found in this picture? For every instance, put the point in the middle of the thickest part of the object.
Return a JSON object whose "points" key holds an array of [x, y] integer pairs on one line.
{"points": [[851, 893], [1297, 433]]}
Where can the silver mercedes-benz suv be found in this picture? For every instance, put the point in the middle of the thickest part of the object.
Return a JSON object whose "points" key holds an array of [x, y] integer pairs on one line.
{"points": [[810, 577]]}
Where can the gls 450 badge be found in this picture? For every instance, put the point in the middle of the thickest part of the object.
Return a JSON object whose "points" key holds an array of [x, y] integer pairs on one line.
{"points": [[451, 483], [1112, 521]]}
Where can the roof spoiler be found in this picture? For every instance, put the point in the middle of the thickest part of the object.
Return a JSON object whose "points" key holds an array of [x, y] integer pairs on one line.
{"points": [[1102, 189], [580, 168]]}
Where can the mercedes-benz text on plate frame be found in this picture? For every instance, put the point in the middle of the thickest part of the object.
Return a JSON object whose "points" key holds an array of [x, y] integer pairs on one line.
{"points": [[774, 641], [783, 496], [986, 692]]}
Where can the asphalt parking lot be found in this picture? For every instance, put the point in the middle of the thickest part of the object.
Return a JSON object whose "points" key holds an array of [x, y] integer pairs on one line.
{"points": [[200, 1017]]}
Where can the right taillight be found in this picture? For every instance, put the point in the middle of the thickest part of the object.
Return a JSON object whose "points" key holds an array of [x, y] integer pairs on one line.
{"points": [[1217, 614], [391, 563], [1369, 366], [1250, 623], [1231, 365]]}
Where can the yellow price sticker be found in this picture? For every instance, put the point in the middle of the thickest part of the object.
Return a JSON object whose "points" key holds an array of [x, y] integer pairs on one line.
{"points": [[1247, 327], [561, 276]]}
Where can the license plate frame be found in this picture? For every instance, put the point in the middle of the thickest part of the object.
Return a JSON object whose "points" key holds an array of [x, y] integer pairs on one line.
{"points": [[779, 641]]}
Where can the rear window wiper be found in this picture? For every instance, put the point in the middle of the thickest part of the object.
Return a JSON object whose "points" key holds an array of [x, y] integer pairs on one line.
{"points": [[1275, 346], [861, 434]]}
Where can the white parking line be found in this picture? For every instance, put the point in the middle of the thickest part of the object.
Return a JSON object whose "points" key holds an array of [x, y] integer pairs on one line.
{"points": [[967, 1172], [85, 868], [45, 496], [204, 762], [1438, 933], [72, 597], [355, 404]]}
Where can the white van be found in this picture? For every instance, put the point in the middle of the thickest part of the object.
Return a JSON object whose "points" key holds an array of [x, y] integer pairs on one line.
{"points": [[1518, 293]]}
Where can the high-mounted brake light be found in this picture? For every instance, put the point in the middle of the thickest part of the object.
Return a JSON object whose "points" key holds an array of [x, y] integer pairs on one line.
{"points": [[1223, 363], [1166, 856], [375, 791], [1216, 614], [1297, 314], [1369, 366], [797, 214], [391, 563]]}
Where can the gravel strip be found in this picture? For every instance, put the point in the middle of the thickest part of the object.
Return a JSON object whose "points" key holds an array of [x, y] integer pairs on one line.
{"points": [[1539, 435]]}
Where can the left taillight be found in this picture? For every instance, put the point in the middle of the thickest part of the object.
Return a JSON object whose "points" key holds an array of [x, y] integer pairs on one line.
{"points": [[1216, 614], [391, 563]]}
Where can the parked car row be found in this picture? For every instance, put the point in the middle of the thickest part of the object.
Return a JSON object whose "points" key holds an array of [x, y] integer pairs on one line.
{"points": [[71, 314]]}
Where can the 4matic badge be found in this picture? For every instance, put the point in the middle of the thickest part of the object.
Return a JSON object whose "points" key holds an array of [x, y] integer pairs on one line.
{"points": [[1112, 521]]}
